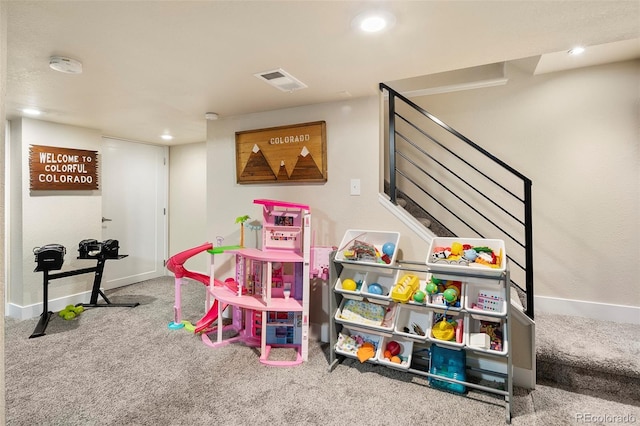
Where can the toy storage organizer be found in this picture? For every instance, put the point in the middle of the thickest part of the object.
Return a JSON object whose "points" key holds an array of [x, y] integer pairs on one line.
{"points": [[472, 347]]}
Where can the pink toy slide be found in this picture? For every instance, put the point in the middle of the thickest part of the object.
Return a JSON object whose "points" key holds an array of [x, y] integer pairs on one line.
{"points": [[209, 318], [175, 264]]}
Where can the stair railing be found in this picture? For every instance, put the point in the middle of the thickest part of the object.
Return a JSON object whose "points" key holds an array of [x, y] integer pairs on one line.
{"points": [[461, 185]]}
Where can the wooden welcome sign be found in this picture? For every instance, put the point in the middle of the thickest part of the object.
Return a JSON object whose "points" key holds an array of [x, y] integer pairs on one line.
{"points": [[296, 153], [53, 168]]}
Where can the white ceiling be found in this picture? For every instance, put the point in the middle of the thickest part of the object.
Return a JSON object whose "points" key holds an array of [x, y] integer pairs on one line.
{"points": [[151, 67]]}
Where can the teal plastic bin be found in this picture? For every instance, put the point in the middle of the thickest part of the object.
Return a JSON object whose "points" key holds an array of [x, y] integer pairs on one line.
{"points": [[450, 363]]}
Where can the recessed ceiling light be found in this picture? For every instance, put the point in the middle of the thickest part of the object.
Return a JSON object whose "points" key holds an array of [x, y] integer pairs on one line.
{"points": [[65, 65], [578, 50], [166, 137], [31, 111], [371, 22]]}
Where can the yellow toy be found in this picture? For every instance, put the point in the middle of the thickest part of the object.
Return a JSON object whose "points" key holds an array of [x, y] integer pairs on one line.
{"points": [[443, 330], [405, 288]]}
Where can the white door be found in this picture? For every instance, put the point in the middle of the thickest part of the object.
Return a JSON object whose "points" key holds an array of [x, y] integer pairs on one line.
{"points": [[134, 202]]}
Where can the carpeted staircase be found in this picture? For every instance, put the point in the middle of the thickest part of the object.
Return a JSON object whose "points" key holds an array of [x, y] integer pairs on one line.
{"points": [[422, 216], [593, 357]]}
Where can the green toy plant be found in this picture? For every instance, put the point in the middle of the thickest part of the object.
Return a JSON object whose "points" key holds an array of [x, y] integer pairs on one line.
{"points": [[241, 220], [70, 312]]}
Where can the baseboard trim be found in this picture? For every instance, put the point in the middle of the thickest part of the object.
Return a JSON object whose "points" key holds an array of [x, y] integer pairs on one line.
{"points": [[593, 310], [32, 311]]}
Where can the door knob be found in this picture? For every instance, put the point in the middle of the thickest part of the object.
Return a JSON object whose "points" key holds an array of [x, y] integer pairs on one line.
{"points": [[104, 219]]}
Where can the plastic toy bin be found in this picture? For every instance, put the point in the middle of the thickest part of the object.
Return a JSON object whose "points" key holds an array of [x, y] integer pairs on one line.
{"points": [[385, 281], [486, 334], [437, 300], [457, 339], [355, 238], [353, 274], [441, 266], [410, 322], [363, 313], [350, 341], [487, 298], [406, 286], [406, 352], [449, 363]]}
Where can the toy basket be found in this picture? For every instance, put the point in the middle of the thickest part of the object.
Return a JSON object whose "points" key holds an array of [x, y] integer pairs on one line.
{"points": [[449, 337], [406, 351], [350, 341], [363, 313], [364, 246], [449, 363], [377, 286], [437, 300], [444, 259], [495, 330], [485, 298], [356, 276], [413, 323]]}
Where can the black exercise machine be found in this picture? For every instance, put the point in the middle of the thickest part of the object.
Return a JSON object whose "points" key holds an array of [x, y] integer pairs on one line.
{"points": [[51, 257]]}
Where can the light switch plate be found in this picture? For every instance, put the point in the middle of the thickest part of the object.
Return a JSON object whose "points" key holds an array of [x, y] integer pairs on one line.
{"points": [[355, 187]]}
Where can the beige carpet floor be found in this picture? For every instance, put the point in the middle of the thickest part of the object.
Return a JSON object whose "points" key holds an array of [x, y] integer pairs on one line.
{"points": [[123, 366]]}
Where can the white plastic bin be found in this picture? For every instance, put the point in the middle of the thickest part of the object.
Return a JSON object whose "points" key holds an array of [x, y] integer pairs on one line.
{"points": [[360, 312], [386, 283], [444, 266], [411, 321], [372, 239], [496, 328], [486, 298], [406, 352], [353, 274], [437, 300], [458, 334], [347, 344]]}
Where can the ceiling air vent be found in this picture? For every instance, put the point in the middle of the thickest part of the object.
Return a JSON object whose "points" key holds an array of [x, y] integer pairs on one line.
{"points": [[281, 79]]}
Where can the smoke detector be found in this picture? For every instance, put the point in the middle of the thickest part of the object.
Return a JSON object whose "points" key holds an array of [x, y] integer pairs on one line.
{"points": [[280, 79], [211, 116], [65, 65]]}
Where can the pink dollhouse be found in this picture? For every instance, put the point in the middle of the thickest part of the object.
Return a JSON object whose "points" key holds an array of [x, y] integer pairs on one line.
{"points": [[269, 297]]}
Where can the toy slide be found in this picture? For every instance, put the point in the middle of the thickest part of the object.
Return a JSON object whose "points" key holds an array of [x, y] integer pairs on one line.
{"points": [[176, 264], [209, 318]]}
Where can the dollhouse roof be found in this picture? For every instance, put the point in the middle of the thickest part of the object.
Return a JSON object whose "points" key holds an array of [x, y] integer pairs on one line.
{"points": [[276, 203]]}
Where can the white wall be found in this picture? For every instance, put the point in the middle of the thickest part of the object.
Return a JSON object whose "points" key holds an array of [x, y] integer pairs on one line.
{"points": [[45, 217], [188, 202], [575, 134], [3, 206], [353, 151]]}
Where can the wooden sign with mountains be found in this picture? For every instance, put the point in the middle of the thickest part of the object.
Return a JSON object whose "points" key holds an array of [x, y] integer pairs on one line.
{"points": [[296, 153]]}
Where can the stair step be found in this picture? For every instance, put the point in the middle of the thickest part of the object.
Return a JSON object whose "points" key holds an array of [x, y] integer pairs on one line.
{"points": [[588, 356]]}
